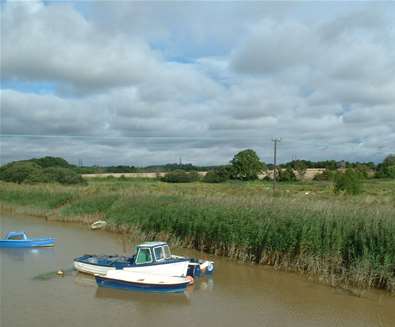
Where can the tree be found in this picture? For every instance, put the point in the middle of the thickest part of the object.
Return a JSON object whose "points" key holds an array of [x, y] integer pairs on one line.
{"points": [[389, 160], [387, 168], [246, 165]]}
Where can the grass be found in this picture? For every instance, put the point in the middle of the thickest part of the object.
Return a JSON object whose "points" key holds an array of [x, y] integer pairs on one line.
{"points": [[342, 240]]}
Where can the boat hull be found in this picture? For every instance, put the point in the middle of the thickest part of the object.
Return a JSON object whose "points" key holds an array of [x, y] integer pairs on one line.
{"points": [[139, 283], [101, 265], [92, 269], [178, 268], [27, 243]]}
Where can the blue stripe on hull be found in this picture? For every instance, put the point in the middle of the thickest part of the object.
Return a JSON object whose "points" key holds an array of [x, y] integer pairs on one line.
{"points": [[25, 243], [119, 284]]}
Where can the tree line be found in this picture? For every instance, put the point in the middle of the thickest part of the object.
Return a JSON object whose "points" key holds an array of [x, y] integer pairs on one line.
{"points": [[245, 166]]}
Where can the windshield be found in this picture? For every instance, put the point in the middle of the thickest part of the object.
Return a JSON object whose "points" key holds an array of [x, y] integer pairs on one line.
{"points": [[167, 252], [159, 253], [143, 256], [16, 237]]}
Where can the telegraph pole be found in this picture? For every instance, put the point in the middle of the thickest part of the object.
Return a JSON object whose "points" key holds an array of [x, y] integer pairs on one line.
{"points": [[275, 141]]}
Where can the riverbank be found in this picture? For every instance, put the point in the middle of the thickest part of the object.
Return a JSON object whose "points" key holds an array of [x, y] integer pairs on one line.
{"points": [[339, 240]]}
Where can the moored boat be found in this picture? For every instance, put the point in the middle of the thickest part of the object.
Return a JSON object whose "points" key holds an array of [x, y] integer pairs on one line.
{"points": [[19, 239], [136, 281], [150, 257]]}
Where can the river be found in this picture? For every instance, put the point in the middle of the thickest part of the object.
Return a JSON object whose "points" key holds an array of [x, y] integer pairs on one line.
{"points": [[237, 294]]}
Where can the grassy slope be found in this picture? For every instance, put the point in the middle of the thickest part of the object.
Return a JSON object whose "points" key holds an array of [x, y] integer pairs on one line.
{"points": [[341, 239]]}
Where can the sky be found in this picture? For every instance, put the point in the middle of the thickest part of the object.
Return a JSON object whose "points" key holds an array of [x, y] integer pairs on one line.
{"points": [[143, 83]]}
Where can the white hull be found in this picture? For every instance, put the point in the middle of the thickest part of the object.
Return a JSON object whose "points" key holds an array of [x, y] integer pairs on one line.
{"points": [[145, 278], [91, 269], [168, 269]]}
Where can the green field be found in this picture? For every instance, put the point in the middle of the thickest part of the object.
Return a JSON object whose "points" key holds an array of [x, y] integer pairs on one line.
{"points": [[340, 239]]}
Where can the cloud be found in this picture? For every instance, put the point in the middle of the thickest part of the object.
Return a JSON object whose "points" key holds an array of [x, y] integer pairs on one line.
{"points": [[55, 43], [24, 113], [201, 81], [275, 46]]}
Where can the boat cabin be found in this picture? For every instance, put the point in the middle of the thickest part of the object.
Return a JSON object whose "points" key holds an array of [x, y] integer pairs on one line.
{"points": [[16, 236], [151, 252]]}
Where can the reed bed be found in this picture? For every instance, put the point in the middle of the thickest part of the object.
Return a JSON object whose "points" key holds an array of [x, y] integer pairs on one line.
{"points": [[340, 240]]}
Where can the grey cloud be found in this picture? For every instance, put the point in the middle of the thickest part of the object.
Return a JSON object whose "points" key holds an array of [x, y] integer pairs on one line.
{"points": [[359, 20], [274, 46], [23, 113], [327, 96]]}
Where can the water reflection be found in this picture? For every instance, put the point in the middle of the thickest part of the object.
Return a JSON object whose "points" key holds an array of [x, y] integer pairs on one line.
{"points": [[142, 297], [205, 283], [84, 280], [26, 253]]}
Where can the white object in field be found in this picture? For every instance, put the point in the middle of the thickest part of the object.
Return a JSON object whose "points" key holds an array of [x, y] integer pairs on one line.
{"points": [[98, 224]]}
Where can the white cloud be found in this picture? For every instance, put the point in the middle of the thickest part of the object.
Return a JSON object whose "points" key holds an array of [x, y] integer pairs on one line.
{"points": [[200, 81], [55, 43]]}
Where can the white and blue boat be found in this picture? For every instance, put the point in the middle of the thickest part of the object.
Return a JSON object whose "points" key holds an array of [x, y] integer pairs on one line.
{"points": [[19, 239], [140, 281], [150, 258]]}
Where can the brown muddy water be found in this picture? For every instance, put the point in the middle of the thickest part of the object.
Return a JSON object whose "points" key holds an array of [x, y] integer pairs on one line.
{"points": [[236, 295]]}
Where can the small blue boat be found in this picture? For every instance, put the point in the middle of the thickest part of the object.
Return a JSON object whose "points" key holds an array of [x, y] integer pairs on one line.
{"points": [[20, 240], [134, 281]]}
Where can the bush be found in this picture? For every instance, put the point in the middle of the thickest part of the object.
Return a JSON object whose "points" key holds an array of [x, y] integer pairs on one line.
{"points": [[31, 172], [46, 162], [180, 176], [348, 182], [55, 175], [326, 175], [218, 175], [362, 170], [386, 172], [18, 171], [286, 175]]}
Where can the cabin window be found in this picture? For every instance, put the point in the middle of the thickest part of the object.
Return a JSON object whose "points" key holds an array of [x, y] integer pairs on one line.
{"points": [[167, 251], [16, 237], [159, 254], [143, 256]]}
